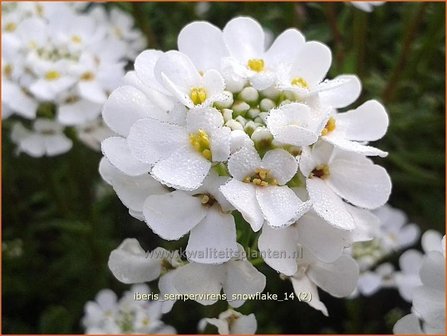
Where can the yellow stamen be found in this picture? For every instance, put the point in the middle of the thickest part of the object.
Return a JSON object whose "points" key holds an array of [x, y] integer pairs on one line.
{"points": [[330, 126], [87, 76], [198, 95], [256, 64], [76, 39], [205, 199], [300, 81], [7, 70], [200, 141], [321, 171], [10, 27], [262, 177], [52, 75]]}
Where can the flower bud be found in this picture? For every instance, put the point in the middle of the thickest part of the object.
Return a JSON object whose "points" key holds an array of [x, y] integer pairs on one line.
{"points": [[240, 108], [241, 120], [234, 125], [227, 114], [225, 103], [249, 94], [253, 113], [266, 104]]}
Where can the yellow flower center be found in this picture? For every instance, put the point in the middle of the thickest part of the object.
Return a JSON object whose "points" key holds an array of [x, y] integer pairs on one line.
{"points": [[88, 76], [321, 171], [76, 39], [52, 75], [301, 82], [7, 70], [198, 95], [256, 64], [262, 177], [10, 27], [200, 141], [330, 126]]}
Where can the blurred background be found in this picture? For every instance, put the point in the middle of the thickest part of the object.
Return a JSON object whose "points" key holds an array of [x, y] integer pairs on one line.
{"points": [[60, 221]]}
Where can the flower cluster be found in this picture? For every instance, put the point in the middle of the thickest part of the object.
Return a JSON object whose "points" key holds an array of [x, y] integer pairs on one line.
{"points": [[59, 63], [391, 233], [227, 124], [108, 315], [424, 280]]}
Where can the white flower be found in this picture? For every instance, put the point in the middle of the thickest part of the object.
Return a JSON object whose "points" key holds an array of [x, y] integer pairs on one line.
{"points": [[56, 56], [231, 322], [367, 6], [333, 175], [93, 133], [350, 130], [181, 156], [235, 277], [429, 298], [383, 276], [129, 315], [46, 139], [408, 278], [258, 188]]}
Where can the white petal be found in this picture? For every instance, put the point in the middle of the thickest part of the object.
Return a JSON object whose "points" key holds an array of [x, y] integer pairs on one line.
{"points": [[179, 69], [410, 262], [144, 67], [304, 285], [279, 242], [244, 162], [130, 264], [280, 205], [244, 38], [321, 238], [151, 140], [338, 278], [166, 286], [33, 145], [341, 91], [199, 279], [292, 41], [78, 113], [125, 106], [328, 205], [313, 62], [369, 283], [184, 169], [131, 190], [429, 304], [116, 150], [57, 144], [432, 272], [221, 325], [355, 147], [206, 119], [213, 240], [368, 122], [359, 181], [242, 277], [431, 241], [263, 80], [244, 325], [243, 197], [220, 144], [282, 165], [409, 324], [173, 215], [203, 43], [92, 91], [213, 83]]}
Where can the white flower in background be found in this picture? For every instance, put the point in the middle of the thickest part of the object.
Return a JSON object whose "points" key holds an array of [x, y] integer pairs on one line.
{"points": [[408, 278], [45, 139], [231, 322], [108, 315], [63, 56], [428, 311], [367, 6], [229, 123], [370, 282], [93, 133]]}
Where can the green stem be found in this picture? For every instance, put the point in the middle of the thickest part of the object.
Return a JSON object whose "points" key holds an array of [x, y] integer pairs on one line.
{"points": [[331, 15]]}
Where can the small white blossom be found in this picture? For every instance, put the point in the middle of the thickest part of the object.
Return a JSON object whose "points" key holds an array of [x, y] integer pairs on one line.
{"points": [[231, 322]]}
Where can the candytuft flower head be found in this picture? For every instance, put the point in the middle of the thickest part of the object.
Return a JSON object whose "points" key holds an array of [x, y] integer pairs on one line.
{"points": [[226, 125]]}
